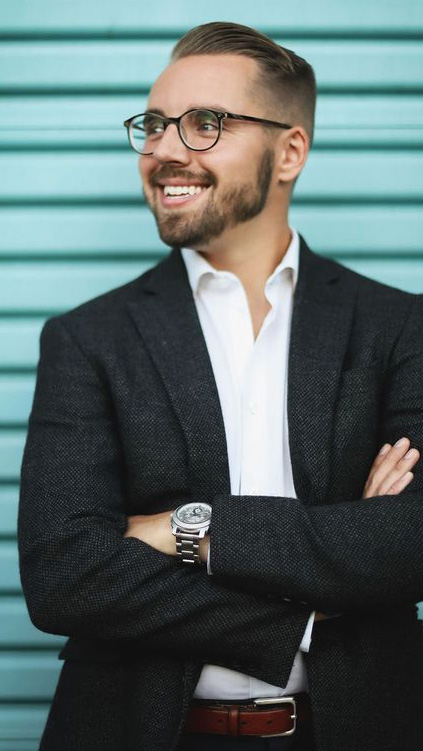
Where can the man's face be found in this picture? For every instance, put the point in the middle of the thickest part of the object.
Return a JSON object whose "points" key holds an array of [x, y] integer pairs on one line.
{"points": [[234, 176]]}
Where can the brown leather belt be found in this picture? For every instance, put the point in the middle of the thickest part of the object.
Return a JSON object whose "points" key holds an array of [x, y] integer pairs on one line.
{"points": [[265, 717]]}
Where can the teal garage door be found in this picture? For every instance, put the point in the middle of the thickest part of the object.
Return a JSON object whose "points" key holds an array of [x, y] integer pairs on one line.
{"points": [[73, 224]]}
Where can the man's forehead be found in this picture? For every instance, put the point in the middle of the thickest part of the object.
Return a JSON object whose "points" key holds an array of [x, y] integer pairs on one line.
{"points": [[218, 81]]}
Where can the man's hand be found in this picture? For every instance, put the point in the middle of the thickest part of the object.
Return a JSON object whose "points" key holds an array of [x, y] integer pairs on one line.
{"points": [[154, 529], [390, 472]]}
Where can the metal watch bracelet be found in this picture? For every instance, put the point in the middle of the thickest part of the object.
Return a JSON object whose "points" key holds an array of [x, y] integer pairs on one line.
{"points": [[188, 546]]}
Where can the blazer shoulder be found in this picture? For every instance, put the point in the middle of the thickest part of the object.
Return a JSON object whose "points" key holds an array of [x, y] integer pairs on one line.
{"points": [[379, 307], [105, 311]]}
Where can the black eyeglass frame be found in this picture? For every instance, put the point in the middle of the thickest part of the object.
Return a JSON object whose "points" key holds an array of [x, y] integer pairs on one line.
{"points": [[221, 116]]}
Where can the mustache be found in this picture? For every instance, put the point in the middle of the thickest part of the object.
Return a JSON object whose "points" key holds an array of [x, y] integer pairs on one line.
{"points": [[178, 174]]}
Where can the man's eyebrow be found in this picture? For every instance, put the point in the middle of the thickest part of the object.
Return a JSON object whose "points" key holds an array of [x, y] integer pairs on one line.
{"points": [[209, 106], [155, 111], [217, 107]]}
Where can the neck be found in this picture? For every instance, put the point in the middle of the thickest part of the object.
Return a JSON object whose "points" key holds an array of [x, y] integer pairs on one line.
{"points": [[251, 250]]}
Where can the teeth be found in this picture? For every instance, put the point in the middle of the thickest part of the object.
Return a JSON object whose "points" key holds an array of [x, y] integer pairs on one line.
{"points": [[179, 190]]}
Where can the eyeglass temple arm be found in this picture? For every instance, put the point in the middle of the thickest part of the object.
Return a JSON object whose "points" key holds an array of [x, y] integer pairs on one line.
{"points": [[257, 120]]}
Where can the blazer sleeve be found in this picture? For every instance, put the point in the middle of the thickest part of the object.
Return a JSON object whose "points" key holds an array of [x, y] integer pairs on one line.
{"points": [[306, 640], [340, 556], [81, 577]]}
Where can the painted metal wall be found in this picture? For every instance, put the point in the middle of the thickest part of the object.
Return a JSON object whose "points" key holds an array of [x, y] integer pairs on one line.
{"points": [[72, 222]]}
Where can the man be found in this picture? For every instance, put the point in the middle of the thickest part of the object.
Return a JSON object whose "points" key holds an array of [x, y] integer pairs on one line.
{"points": [[292, 571]]}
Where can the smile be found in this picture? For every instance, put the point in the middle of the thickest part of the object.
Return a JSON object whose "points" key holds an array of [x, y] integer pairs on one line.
{"points": [[179, 190], [178, 195]]}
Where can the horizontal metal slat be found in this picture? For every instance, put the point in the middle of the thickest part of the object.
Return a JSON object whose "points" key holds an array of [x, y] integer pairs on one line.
{"points": [[94, 176], [79, 229], [9, 567], [19, 745], [22, 725], [402, 274], [27, 676], [61, 286], [128, 17], [17, 629], [16, 393], [100, 231], [9, 499], [11, 451], [19, 342], [114, 64], [96, 121]]}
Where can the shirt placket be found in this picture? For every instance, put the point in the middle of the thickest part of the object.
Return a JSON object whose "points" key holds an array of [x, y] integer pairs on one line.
{"points": [[254, 408]]}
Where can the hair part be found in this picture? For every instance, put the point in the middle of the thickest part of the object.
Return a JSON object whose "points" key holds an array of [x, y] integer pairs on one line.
{"points": [[286, 82]]}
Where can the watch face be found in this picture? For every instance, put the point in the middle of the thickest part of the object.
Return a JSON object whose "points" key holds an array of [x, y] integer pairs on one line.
{"points": [[193, 514]]}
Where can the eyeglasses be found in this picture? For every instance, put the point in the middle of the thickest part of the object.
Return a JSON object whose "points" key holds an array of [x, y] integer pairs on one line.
{"points": [[199, 129]]}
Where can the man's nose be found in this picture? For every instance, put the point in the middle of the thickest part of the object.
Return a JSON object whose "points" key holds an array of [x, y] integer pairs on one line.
{"points": [[170, 147]]}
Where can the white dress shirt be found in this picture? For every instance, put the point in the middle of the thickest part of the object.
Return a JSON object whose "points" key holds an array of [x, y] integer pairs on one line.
{"points": [[251, 381]]}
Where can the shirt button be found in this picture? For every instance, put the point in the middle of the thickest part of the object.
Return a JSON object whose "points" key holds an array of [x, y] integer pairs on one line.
{"points": [[252, 407]]}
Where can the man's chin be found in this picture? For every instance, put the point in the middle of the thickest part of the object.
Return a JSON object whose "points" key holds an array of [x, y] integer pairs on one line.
{"points": [[175, 233], [179, 240]]}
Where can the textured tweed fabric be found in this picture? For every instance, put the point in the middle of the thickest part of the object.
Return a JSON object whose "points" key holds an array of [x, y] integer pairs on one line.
{"points": [[126, 419]]}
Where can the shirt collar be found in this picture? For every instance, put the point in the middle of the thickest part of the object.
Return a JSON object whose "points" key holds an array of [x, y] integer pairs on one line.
{"points": [[197, 266]]}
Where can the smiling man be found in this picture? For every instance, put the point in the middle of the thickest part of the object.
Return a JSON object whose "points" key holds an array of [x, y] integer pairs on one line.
{"points": [[204, 511]]}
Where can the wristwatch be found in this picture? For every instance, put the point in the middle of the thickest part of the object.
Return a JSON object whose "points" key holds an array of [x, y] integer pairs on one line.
{"points": [[190, 523]]}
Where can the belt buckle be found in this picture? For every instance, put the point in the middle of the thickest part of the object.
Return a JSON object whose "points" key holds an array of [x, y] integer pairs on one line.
{"points": [[279, 700]]}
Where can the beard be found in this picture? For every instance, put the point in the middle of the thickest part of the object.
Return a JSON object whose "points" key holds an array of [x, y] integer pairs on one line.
{"points": [[235, 205]]}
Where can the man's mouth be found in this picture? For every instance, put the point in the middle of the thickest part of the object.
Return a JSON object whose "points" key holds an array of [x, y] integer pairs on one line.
{"points": [[182, 190], [178, 195]]}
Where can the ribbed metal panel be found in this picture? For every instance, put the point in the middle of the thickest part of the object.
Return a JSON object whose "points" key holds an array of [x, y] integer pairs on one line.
{"points": [[73, 223]]}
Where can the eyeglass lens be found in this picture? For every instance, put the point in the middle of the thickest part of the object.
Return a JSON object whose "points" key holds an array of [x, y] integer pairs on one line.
{"points": [[199, 130]]}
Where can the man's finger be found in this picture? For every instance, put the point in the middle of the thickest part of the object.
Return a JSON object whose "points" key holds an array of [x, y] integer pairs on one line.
{"points": [[403, 465], [400, 484], [384, 465], [377, 462]]}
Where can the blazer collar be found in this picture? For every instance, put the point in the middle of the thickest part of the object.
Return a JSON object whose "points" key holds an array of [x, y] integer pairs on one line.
{"points": [[165, 315]]}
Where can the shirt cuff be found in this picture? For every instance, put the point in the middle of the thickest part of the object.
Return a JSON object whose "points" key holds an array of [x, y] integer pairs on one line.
{"points": [[306, 640], [209, 571]]}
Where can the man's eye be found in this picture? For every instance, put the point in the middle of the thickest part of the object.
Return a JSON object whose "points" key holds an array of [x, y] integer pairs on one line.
{"points": [[207, 125], [153, 126], [206, 122]]}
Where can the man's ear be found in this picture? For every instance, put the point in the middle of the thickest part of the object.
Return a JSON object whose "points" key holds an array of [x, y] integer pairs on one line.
{"points": [[293, 154]]}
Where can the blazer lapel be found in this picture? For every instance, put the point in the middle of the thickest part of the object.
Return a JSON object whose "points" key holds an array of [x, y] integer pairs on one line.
{"points": [[167, 320], [322, 315]]}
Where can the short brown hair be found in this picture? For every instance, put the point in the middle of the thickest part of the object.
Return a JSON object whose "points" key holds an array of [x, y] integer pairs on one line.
{"points": [[287, 80]]}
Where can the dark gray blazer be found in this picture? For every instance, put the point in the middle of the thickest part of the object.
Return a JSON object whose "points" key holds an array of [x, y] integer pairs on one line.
{"points": [[126, 419]]}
